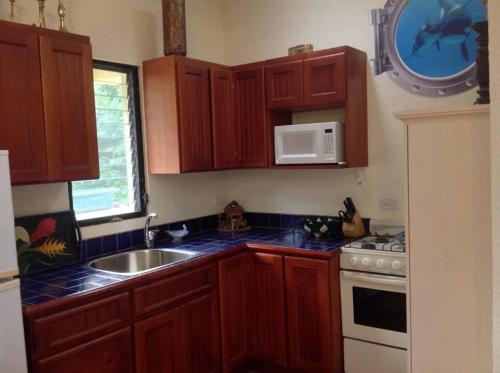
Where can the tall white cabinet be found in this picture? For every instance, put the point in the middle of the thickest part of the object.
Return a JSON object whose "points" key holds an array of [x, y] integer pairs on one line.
{"points": [[448, 209]]}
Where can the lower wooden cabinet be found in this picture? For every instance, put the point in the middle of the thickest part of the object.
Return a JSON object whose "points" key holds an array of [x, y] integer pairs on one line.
{"points": [[200, 335], [109, 354], [310, 344], [277, 308], [268, 302], [234, 308], [157, 343], [289, 315], [184, 339]]}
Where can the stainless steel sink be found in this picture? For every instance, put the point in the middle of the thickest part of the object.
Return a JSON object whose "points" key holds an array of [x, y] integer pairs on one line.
{"points": [[140, 261]]}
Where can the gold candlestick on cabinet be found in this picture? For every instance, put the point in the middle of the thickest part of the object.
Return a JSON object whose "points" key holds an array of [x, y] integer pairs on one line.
{"points": [[61, 10], [41, 13], [12, 5]]}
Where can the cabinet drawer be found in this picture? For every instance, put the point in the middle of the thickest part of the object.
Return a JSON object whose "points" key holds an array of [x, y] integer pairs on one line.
{"points": [[174, 289], [109, 354], [78, 323]]}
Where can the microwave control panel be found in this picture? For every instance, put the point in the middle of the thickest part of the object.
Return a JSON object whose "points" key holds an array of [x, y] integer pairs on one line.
{"points": [[329, 141]]}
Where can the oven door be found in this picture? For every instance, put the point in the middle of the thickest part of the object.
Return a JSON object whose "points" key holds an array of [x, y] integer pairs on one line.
{"points": [[374, 308]]}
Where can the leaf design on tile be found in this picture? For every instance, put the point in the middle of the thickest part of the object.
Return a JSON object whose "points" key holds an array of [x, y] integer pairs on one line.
{"points": [[52, 248], [23, 235], [45, 228]]}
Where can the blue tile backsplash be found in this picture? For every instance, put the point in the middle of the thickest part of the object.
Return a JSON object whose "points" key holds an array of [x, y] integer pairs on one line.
{"points": [[96, 247]]}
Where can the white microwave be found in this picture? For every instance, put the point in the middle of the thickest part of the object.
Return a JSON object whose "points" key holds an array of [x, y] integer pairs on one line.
{"points": [[312, 143]]}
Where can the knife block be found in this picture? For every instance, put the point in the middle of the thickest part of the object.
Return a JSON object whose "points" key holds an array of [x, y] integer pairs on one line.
{"points": [[354, 229]]}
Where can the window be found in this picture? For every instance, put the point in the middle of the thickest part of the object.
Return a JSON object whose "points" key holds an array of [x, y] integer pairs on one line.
{"points": [[119, 193]]}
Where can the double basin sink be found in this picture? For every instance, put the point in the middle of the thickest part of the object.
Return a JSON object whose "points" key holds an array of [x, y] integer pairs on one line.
{"points": [[140, 261]]}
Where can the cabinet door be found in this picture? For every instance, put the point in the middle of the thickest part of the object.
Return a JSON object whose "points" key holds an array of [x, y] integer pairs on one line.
{"points": [[70, 118], [109, 354], [158, 347], [324, 80], [268, 302], [250, 117], [224, 128], [234, 303], [200, 333], [194, 107], [22, 128], [284, 85], [310, 345]]}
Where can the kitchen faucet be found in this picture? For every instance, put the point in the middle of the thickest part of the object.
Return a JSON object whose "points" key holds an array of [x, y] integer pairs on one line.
{"points": [[149, 235]]}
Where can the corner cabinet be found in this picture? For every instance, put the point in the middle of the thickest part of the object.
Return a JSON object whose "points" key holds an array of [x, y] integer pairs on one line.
{"points": [[47, 110], [250, 117], [281, 309], [178, 124]]}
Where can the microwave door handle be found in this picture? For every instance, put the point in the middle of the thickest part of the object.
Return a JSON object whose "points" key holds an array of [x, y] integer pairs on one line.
{"points": [[374, 280]]}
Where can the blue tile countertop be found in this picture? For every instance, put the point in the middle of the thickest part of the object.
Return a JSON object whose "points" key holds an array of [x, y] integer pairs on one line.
{"points": [[79, 278]]}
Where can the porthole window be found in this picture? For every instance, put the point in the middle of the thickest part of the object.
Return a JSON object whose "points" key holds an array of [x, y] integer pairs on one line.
{"points": [[428, 47]]}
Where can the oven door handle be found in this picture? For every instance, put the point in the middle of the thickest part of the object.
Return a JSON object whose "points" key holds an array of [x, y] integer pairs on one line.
{"points": [[390, 281]]}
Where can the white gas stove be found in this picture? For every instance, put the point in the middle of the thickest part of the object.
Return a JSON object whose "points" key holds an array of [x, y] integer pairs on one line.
{"points": [[373, 299], [380, 253]]}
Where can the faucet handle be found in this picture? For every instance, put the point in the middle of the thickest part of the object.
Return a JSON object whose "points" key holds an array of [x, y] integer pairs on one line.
{"points": [[152, 233]]}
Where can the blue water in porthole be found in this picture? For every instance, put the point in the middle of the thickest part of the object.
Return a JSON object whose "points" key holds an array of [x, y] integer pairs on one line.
{"points": [[434, 38]]}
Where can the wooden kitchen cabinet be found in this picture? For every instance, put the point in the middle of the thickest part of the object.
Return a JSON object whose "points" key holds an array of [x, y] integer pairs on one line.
{"points": [[109, 354], [69, 106], [200, 335], [268, 303], [324, 80], [309, 315], [22, 126], [177, 100], [194, 116], [224, 128], [158, 347], [235, 310], [47, 113], [285, 85], [250, 116]]}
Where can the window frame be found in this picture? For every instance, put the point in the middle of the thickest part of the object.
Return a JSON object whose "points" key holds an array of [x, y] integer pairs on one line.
{"points": [[133, 74]]}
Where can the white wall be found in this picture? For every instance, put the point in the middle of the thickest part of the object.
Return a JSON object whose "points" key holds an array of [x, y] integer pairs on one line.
{"points": [[261, 29], [494, 17], [238, 31]]}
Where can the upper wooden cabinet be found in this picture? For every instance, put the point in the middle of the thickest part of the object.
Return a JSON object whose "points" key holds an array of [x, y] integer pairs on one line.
{"points": [[250, 116], [224, 128], [201, 116], [324, 80], [22, 126], [177, 99], [316, 80], [285, 85], [47, 111], [69, 105]]}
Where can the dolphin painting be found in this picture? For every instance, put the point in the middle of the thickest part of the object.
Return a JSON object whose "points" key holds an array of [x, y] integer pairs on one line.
{"points": [[453, 28]]}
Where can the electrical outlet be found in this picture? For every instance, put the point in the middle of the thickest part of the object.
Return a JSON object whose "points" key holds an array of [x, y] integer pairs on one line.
{"points": [[389, 204], [221, 199]]}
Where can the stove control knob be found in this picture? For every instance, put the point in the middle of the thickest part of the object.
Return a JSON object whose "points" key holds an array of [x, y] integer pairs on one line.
{"points": [[366, 262], [380, 263], [354, 261], [397, 265]]}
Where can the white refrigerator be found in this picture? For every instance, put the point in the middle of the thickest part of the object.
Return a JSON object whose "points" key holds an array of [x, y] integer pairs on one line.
{"points": [[12, 347]]}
